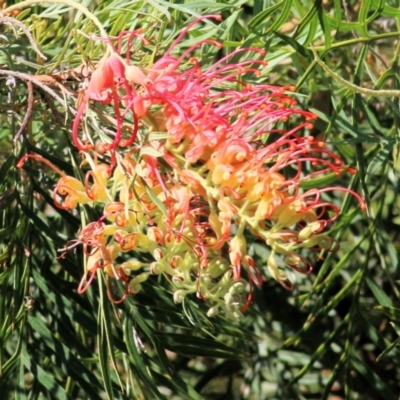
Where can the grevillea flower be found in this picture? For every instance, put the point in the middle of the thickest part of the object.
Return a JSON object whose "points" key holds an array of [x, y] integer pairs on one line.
{"points": [[220, 172]]}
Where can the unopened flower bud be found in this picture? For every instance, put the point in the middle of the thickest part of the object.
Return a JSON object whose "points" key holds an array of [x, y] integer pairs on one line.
{"points": [[309, 230], [322, 241], [179, 296], [156, 268], [226, 278], [217, 266], [135, 74], [212, 311], [205, 279], [237, 288], [156, 235], [176, 262], [201, 292], [132, 265], [135, 284], [229, 298], [178, 281], [237, 315], [158, 254]]}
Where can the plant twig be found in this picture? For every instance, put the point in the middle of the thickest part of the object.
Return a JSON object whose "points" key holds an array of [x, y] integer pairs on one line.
{"points": [[28, 113], [351, 86], [31, 78], [14, 22]]}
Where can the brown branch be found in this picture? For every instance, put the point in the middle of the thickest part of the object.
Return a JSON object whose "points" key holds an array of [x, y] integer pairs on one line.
{"points": [[14, 22], [39, 83], [28, 113]]}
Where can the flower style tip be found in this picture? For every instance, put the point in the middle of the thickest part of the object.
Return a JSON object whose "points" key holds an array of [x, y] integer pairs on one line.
{"points": [[38, 157]]}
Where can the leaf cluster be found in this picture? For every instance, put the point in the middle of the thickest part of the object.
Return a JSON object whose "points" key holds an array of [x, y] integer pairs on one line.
{"points": [[335, 334]]}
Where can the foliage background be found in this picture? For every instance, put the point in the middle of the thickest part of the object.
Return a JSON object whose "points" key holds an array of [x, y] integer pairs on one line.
{"points": [[333, 337]]}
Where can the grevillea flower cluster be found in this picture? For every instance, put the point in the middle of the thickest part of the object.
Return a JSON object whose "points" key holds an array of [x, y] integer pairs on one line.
{"points": [[199, 167]]}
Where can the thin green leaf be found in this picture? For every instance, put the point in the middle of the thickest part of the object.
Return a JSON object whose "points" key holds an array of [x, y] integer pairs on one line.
{"points": [[392, 312]]}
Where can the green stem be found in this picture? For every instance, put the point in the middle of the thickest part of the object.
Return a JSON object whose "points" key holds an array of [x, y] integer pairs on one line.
{"points": [[360, 40], [351, 86]]}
